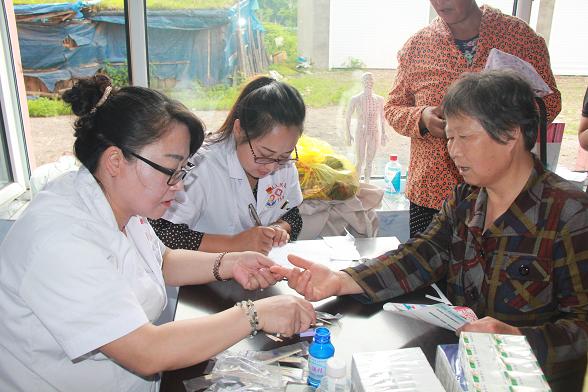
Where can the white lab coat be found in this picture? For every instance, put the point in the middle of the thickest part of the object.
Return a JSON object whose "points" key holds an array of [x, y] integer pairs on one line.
{"points": [[71, 282], [217, 193]]}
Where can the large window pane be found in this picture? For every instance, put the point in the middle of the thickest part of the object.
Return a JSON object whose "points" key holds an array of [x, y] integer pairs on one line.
{"points": [[202, 52], [5, 172], [60, 43]]}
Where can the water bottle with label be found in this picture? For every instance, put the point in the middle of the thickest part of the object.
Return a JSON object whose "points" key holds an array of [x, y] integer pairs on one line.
{"points": [[392, 174], [320, 350]]}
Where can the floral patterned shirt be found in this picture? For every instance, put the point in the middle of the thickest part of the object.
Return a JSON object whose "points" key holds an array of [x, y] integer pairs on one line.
{"points": [[468, 48], [428, 63]]}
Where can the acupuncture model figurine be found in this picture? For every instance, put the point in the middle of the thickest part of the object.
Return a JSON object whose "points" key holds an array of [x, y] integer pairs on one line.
{"points": [[370, 125]]}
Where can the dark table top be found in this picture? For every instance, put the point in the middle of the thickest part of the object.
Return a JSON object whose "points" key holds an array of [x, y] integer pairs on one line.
{"points": [[363, 328]]}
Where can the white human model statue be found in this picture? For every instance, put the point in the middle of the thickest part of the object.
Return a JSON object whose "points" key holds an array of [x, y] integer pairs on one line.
{"points": [[370, 125]]}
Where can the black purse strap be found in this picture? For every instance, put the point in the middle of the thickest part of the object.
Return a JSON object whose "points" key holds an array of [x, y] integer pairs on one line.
{"points": [[542, 131]]}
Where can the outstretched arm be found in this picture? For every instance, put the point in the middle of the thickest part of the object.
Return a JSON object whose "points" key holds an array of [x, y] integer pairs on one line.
{"points": [[315, 281], [186, 267], [180, 236], [152, 349]]}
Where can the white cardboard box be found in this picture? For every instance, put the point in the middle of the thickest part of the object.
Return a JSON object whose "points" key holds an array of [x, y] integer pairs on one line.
{"points": [[448, 368], [402, 369]]}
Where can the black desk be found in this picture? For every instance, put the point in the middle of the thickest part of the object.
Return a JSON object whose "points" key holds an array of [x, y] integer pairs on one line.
{"points": [[363, 327]]}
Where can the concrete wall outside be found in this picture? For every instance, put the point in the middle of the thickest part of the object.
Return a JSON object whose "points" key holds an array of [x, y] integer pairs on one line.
{"points": [[313, 31]]}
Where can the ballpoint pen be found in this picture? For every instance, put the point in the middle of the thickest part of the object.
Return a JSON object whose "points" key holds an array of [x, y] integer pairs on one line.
{"points": [[254, 215]]}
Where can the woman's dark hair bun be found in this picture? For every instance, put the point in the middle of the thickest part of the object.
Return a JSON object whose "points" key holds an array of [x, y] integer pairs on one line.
{"points": [[85, 94]]}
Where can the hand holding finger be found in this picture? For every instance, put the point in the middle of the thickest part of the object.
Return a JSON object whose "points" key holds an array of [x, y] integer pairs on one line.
{"points": [[268, 277], [293, 277], [279, 272]]}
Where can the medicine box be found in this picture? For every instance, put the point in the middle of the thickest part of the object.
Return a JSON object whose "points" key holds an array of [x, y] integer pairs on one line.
{"points": [[403, 369], [448, 368], [493, 362]]}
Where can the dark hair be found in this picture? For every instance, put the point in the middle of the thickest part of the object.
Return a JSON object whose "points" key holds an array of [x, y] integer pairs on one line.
{"points": [[129, 118], [262, 104], [500, 101]]}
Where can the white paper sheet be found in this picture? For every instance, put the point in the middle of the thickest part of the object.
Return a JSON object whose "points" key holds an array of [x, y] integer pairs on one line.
{"points": [[335, 252], [441, 315], [342, 247]]}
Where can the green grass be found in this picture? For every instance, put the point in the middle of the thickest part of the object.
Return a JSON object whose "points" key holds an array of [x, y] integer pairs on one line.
{"points": [[572, 90], [152, 4], [324, 88], [47, 107]]}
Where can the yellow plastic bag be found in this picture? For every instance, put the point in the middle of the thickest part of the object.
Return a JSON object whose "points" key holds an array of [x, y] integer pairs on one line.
{"points": [[323, 174]]}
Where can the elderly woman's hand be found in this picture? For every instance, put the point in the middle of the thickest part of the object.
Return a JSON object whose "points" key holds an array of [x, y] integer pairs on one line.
{"points": [[432, 119], [489, 325], [249, 269], [314, 280]]}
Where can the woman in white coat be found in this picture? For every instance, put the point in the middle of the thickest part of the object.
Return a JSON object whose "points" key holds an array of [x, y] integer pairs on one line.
{"points": [[243, 193], [82, 274]]}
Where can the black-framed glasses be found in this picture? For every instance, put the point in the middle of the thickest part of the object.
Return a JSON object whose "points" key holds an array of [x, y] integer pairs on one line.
{"points": [[266, 160], [175, 176]]}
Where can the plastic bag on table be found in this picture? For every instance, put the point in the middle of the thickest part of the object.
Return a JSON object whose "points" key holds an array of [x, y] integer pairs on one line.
{"points": [[297, 349], [323, 174], [235, 372]]}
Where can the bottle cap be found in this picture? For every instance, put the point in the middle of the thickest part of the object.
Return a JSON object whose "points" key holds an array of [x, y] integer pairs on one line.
{"points": [[336, 368], [393, 157], [322, 335]]}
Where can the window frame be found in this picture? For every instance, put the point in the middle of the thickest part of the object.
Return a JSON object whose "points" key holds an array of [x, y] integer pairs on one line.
{"points": [[13, 117]]}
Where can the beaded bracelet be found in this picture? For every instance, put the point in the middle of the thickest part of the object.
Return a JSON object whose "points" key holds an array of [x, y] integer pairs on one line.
{"points": [[249, 308], [216, 267]]}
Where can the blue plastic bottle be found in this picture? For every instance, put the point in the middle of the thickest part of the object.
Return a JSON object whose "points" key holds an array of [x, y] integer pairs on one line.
{"points": [[392, 173], [320, 350]]}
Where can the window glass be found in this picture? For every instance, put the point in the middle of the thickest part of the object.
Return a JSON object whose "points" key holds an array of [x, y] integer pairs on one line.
{"points": [[5, 172], [59, 43], [202, 52]]}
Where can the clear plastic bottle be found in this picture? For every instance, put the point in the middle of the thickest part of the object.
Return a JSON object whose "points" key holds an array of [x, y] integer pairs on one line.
{"points": [[392, 174], [336, 378], [320, 350]]}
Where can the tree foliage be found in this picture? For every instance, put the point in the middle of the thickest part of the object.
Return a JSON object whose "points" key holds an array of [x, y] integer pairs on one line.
{"points": [[284, 12]]}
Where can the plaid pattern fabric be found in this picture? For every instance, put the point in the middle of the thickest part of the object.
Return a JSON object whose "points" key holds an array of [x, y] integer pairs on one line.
{"points": [[529, 269]]}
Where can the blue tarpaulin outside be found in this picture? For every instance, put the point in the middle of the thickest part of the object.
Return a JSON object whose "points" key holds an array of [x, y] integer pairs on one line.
{"points": [[184, 45]]}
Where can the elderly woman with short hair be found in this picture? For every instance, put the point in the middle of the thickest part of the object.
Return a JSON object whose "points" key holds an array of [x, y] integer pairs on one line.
{"points": [[512, 242]]}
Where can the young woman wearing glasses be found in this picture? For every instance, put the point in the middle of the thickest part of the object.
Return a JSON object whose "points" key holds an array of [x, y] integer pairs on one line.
{"points": [[82, 274], [244, 192]]}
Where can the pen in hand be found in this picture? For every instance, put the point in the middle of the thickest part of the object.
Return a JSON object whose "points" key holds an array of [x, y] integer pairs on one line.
{"points": [[253, 213]]}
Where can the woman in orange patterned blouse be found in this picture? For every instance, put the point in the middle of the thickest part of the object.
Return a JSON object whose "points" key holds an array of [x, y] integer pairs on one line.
{"points": [[458, 41]]}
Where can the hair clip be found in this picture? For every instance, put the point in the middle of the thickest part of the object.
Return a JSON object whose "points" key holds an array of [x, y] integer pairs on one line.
{"points": [[102, 99]]}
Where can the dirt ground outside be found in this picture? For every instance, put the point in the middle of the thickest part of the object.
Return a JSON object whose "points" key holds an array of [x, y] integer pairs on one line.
{"points": [[52, 137]]}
